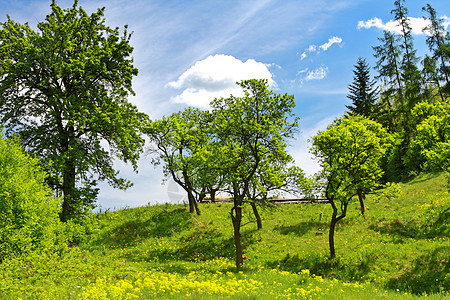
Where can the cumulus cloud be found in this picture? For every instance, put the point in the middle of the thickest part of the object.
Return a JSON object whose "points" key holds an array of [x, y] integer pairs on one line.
{"points": [[324, 47], [216, 76], [417, 24]]}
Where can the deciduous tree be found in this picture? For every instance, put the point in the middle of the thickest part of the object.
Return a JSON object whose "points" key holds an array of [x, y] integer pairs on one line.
{"points": [[350, 153], [248, 129], [64, 89]]}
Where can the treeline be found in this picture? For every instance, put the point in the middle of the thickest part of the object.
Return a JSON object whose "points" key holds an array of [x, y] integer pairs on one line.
{"points": [[409, 95]]}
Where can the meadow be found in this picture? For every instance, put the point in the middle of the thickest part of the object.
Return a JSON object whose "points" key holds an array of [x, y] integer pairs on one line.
{"points": [[400, 249]]}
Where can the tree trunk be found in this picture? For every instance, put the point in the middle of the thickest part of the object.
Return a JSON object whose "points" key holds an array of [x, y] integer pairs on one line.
{"points": [[212, 193], [361, 197], [257, 216], [332, 228], [334, 219], [236, 218], [68, 187]]}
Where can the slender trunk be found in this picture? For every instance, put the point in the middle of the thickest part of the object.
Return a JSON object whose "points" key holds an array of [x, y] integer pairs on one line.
{"points": [[334, 219], [197, 210], [332, 228], [257, 216], [361, 197], [236, 218]]}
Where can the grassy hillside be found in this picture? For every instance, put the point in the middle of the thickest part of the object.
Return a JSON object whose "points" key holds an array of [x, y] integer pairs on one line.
{"points": [[401, 249]]}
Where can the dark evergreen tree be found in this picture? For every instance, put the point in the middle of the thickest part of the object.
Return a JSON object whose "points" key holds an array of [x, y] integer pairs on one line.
{"points": [[363, 91]]}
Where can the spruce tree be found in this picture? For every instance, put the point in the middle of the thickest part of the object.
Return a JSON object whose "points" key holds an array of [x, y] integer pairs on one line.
{"points": [[362, 91]]}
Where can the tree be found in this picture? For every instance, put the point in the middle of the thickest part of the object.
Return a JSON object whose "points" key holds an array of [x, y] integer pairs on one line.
{"points": [[179, 141], [437, 41], [433, 135], [410, 73], [363, 92], [28, 210], [388, 66], [350, 153], [248, 129], [64, 89]]}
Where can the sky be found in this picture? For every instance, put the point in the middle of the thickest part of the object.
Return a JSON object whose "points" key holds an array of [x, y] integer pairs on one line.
{"points": [[189, 52]]}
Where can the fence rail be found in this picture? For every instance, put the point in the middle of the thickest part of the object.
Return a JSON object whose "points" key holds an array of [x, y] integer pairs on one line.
{"points": [[277, 201]]}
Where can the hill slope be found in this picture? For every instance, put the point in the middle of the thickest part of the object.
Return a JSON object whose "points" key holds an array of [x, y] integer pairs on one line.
{"points": [[401, 248]]}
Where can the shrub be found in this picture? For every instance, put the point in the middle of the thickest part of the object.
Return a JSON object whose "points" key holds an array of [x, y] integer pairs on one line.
{"points": [[28, 210]]}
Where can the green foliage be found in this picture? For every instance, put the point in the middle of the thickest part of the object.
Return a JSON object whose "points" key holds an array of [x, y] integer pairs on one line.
{"points": [[28, 211], [432, 142], [182, 142], [64, 89]]}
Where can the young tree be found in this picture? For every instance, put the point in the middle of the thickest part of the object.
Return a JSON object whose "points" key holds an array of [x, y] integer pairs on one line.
{"points": [[248, 129], [350, 153], [363, 91], [180, 141], [64, 89]]}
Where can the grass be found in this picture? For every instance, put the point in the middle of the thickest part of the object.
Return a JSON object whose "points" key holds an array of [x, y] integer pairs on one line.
{"points": [[400, 249]]}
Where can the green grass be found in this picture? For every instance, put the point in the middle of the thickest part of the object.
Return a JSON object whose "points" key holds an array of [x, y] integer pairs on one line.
{"points": [[400, 249]]}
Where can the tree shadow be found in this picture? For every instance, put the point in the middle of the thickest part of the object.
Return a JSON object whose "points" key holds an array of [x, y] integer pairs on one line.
{"points": [[428, 274], [401, 230], [324, 266], [301, 228], [202, 245], [130, 233]]}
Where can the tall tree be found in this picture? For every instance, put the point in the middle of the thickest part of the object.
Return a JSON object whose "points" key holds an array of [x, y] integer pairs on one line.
{"points": [[64, 89], [410, 72], [350, 153], [438, 41], [363, 90], [388, 67], [249, 129]]}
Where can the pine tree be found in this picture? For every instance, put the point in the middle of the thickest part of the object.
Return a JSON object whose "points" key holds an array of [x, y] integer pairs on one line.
{"points": [[362, 91]]}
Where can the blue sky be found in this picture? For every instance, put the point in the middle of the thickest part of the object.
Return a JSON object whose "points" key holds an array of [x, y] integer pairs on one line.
{"points": [[190, 51]]}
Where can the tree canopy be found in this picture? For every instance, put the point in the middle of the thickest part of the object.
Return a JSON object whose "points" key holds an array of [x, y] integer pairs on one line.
{"points": [[64, 89]]}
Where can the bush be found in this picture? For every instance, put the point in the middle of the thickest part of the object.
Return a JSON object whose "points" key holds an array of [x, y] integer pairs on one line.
{"points": [[28, 211]]}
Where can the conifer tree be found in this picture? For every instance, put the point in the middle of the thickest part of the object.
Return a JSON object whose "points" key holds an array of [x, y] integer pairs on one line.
{"points": [[438, 42], [362, 90]]}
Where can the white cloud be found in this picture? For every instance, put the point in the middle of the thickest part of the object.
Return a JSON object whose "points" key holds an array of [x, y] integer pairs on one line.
{"points": [[331, 41], [324, 47], [216, 76], [417, 24], [317, 74]]}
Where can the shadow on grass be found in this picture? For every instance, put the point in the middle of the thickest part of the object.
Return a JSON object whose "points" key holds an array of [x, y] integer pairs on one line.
{"points": [[428, 274], [398, 228], [200, 246], [324, 266], [301, 228], [130, 233]]}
